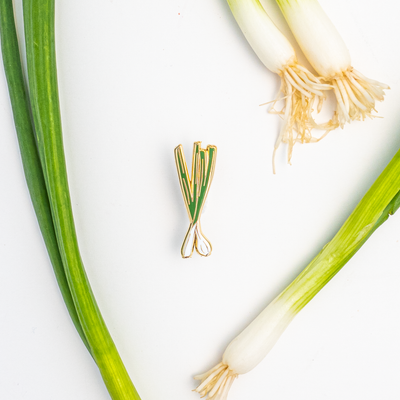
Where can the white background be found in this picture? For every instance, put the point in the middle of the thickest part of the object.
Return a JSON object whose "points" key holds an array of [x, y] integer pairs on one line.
{"points": [[136, 79]]}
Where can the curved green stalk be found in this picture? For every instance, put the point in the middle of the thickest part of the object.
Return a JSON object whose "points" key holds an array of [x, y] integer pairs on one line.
{"points": [[42, 74], [29, 154], [250, 347], [381, 200]]}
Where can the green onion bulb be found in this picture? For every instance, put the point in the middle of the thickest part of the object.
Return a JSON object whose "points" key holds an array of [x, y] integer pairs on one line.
{"points": [[300, 89], [328, 54]]}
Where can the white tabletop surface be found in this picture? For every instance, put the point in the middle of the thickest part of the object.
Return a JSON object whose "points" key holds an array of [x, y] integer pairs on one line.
{"points": [[136, 79]]}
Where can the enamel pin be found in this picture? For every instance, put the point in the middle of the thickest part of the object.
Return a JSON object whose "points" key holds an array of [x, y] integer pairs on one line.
{"points": [[194, 190]]}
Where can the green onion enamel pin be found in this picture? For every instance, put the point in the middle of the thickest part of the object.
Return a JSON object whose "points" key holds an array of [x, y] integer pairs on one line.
{"points": [[194, 190]]}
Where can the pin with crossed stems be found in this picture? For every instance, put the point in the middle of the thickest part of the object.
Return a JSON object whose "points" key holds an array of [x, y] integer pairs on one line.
{"points": [[194, 190]]}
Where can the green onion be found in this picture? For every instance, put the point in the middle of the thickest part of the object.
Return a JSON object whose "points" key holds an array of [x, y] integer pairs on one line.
{"points": [[300, 89], [250, 347], [328, 54], [47, 179], [30, 157]]}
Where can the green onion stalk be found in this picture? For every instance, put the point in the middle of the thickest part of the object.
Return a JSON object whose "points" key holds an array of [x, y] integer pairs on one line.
{"points": [[30, 156], [42, 152], [250, 347]]}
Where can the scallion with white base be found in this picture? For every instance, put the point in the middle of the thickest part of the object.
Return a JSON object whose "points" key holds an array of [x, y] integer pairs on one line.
{"points": [[328, 54], [300, 89], [250, 347]]}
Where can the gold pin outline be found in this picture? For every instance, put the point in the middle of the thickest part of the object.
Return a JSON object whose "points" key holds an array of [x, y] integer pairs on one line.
{"points": [[194, 191]]}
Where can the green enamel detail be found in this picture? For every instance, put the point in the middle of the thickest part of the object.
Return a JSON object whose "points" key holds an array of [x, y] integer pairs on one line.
{"points": [[195, 188]]}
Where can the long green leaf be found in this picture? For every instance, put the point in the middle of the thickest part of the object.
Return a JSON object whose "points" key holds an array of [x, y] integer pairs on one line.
{"points": [[30, 157], [42, 77], [381, 200]]}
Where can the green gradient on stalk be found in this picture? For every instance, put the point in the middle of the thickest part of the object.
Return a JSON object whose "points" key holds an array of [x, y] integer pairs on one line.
{"points": [[42, 73], [289, 3], [29, 153], [234, 4], [381, 201], [253, 344]]}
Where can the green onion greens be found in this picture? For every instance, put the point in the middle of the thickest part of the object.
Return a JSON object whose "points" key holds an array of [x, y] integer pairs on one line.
{"points": [[41, 146], [250, 347]]}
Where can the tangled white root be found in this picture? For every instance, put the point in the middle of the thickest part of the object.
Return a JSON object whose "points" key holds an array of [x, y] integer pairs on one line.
{"points": [[301, 91], [356, 96], [216, 382]]}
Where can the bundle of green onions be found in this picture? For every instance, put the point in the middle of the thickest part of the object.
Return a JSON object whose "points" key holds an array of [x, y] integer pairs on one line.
{"points": [[42, 152], [301, 90]]}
